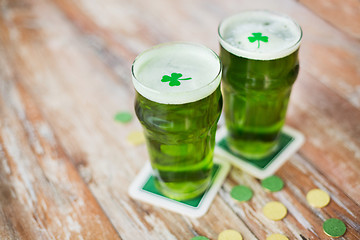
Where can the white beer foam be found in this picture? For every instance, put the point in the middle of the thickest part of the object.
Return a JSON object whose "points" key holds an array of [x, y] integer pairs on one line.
{"points": [[284, 35], [193, 61]]}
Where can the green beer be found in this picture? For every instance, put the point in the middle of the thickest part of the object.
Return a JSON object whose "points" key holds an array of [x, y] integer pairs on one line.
{"points": [[178, 102], [259, 52]]}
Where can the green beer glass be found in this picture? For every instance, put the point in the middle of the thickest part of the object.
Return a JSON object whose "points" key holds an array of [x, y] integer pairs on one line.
{"points": [[178, 102], [259, 52]]}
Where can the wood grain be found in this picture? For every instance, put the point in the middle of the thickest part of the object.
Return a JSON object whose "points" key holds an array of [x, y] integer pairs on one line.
{"points": [[345, 15], [66, 165], [42, 194]]}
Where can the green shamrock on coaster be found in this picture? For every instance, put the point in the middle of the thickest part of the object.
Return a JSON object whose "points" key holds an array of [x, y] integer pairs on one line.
{"points": [[173, 79], [258, 37]]}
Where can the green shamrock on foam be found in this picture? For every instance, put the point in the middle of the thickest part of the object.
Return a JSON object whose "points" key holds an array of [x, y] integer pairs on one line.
{"points": [[258, 37], [173, 79]]}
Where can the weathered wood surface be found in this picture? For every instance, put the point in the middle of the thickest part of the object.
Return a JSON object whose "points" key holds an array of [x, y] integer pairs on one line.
{"points": [[66, 165], [344, 15]]}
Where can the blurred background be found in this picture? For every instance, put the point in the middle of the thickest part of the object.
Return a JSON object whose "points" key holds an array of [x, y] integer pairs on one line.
{"points": [[65, 164]]}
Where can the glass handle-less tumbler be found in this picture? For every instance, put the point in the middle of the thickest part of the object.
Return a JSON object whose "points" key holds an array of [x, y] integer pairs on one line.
{"points": [[178, 102], [259, 52]]}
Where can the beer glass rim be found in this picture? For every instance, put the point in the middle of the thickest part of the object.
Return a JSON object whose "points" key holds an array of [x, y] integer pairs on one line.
{"points": [[181, 97], [259, 56]]}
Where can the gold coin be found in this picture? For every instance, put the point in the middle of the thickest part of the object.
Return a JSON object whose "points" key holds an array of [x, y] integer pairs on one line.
{"points": [[136, 138], [230, 235], [318, 198], [277, 236], [275, 210]]}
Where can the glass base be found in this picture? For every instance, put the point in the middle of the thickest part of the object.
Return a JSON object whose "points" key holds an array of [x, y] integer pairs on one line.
{"points": [[252, 150], [184, 190]]}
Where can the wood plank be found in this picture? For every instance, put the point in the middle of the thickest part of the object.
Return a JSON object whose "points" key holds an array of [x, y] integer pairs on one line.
{"points": [[42, 194], [339, 71], [319, 39], [344, 15], [78, 75], [330, 125], [303, 177], [302, 220]]}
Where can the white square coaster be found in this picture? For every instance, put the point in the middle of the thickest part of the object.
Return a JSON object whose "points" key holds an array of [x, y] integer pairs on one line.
{"points": [[143, 189], [290, 141]]}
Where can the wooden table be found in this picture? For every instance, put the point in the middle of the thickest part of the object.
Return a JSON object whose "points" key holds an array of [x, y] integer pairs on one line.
{"points": [[65, 164]]}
